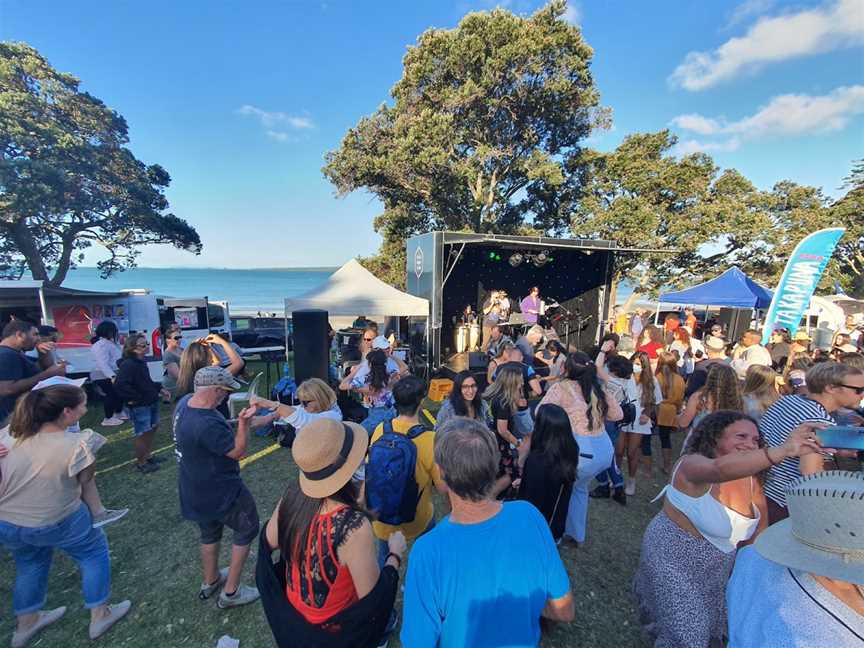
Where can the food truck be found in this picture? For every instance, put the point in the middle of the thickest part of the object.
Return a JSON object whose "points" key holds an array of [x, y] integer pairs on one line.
{"points": [[76, 314]]}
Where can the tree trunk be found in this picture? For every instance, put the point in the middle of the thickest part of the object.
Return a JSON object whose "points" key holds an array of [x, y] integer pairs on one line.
{"points": [[65, 261], [21, 236]]}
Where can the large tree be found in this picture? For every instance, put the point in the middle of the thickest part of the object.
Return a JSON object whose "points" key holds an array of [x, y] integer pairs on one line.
{"points": [[67, 180], [484, 125], [641, 195]]}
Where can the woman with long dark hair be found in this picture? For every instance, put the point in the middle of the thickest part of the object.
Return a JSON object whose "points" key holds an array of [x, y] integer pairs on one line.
{"points": [[555, 362], [42, 508], [721, 391], [712, 504], [550, 467], [106, 354], [581, 394], [464, 400], [326, 589], [376, 387]]}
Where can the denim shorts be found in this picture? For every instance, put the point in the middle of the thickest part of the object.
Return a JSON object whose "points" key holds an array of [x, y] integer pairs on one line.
{"points": [[144, 417], [241, 518]]}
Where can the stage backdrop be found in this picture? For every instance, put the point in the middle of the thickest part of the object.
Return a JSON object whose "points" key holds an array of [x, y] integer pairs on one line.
{"points": [[573, 278]]}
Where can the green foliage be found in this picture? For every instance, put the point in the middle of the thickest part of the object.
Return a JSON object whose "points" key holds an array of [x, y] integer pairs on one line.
{"points": [[484, 125], [67, 182]]}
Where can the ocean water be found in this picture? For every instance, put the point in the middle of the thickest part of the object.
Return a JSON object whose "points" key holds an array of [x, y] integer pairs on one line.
{"points": [[246, 291]]}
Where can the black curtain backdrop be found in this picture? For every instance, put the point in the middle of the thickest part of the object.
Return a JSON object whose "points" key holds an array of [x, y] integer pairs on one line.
{"points": [[573, 278]]}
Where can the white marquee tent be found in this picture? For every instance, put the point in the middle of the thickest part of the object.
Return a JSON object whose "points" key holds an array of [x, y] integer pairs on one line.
{"points": [[352, 290]]}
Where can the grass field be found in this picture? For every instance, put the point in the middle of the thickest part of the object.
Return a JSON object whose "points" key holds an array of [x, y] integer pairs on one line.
{"points": [[154, 557]]}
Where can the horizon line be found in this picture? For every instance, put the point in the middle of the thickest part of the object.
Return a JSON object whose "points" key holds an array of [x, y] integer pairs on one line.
{"points": [[282, 268]]}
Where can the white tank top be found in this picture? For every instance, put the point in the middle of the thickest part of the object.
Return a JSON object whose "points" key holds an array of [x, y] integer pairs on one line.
{"points": [[720, 525]]}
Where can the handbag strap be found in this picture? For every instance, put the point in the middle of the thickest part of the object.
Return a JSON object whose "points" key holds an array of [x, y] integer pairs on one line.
{"points": [[555, 509]]}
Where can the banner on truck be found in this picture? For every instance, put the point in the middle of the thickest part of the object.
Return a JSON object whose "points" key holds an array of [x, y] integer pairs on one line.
{"points": [[799, 280]]}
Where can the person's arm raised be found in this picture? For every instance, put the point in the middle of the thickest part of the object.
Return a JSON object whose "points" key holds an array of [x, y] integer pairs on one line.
{"points": [[698, 469], [241, 437]]}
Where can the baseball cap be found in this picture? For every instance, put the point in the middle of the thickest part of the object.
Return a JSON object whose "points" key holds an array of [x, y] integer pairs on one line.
{"points": [[216, 377], [381, 342], [797, 378], [59, 380], [714, 343]]}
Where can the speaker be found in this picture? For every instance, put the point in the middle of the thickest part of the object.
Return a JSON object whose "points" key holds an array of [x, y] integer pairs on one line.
{"points": [[311, 345], [735, 321], [477, 360]]}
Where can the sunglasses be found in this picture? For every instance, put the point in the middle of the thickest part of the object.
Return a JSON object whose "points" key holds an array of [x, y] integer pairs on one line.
{"points": [[176, 337], [857, 390], [368, 339], [306, 403]]}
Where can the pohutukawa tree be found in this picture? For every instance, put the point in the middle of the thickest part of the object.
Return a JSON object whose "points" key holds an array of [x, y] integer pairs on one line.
{"points": [[67, 180], [481, 134]]}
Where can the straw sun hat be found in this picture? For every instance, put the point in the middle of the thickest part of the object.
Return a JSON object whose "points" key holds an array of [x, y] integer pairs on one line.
{"points": [[327, 453], [824, 533]]}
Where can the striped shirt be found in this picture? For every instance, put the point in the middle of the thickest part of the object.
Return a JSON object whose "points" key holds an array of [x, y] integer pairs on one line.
{"points": [[775, 425]]}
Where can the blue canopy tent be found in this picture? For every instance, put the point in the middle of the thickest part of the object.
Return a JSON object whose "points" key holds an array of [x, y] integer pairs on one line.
{"points": [[733, 288]]}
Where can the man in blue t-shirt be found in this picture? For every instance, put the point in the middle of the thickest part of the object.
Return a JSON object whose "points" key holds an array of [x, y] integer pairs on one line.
{"points": [[212, 494], [18, 373], [488, 571]]}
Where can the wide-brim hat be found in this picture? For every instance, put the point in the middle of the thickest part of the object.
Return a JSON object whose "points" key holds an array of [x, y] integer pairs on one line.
{"points": [[328, 452], [824, 533], [800, 336]]}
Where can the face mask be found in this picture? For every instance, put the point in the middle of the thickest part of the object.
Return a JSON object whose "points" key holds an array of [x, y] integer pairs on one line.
{"points": [[637, 369]]}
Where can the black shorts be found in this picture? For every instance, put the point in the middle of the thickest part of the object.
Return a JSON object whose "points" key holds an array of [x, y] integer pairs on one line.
{"points": [[241, 518]]}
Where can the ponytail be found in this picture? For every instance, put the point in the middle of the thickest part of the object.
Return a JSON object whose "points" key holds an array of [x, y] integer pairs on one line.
{"points": [[41, 406]]}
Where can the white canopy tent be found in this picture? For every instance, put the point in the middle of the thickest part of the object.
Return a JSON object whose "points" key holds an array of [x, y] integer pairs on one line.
{"points": [[352, 290]]}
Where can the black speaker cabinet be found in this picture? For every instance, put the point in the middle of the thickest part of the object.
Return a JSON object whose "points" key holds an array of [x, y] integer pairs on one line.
{"points": [[477, 360], [311, 345], [735, 321]]}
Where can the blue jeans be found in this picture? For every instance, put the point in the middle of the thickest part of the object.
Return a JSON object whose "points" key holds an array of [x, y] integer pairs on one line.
{"points": [[377, 415], [33, 547], [384, 548], [600, 453], [613, 472]]}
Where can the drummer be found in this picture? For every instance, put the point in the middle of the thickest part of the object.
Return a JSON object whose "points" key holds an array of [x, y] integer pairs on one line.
{"points": [[468, 316]]}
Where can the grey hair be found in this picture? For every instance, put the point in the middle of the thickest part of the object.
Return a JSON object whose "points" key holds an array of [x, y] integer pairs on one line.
{"points": [[468, 456]]}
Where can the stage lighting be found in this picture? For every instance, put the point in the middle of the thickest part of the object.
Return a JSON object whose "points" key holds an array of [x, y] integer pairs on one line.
{"points": [[516, 259]]}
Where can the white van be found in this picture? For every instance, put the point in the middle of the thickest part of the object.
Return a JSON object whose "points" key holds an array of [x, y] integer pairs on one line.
{"points": [[76, 313]]}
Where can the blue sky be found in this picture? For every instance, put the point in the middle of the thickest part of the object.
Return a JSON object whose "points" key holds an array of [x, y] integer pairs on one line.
{"points": [[241, 101]]}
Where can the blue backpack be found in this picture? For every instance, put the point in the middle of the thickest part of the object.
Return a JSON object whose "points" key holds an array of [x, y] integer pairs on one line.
{"points": [[391, 486]]}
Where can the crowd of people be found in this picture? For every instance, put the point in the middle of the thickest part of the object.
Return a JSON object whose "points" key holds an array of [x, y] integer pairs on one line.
{"points": [[758, 541]]}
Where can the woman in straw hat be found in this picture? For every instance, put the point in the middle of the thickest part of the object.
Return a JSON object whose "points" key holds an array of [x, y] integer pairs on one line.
{"points": [[712, 504], [326, 589], [802, 583]]}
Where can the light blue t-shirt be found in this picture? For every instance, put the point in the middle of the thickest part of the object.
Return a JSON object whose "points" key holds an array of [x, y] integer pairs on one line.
{"points": [[771, 606], [482, 584]]}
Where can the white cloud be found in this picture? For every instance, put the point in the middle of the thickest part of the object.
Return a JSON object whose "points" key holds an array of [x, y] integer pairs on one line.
{"points": [[774, 39], [688, 146], [784, 115], [276, 124], [747, 10], [573, 13]]}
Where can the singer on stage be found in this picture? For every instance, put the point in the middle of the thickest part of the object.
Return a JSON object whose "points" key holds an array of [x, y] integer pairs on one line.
{"points": [[530, 306]]}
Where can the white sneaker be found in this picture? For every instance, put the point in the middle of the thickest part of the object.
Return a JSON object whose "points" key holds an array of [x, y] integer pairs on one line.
{"points": [[45, 618], [123, 416], [242, 596], [630, 488], [111, 422]]}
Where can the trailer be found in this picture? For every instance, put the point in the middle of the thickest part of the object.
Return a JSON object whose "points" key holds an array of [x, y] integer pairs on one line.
{"points": [[76, 314]]}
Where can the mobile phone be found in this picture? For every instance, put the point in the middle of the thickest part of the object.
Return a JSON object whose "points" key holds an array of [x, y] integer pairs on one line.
{"points": [[844, 437]]}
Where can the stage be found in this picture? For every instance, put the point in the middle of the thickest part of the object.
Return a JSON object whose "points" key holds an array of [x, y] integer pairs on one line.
{"points": [[455, 269]]}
